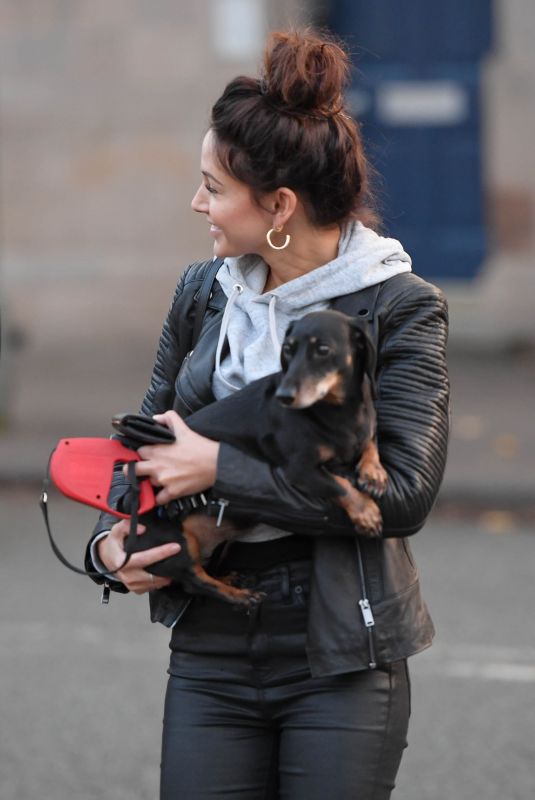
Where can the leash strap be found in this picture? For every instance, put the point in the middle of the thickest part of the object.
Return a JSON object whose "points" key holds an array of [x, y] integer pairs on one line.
{"points": [[129, 541]]}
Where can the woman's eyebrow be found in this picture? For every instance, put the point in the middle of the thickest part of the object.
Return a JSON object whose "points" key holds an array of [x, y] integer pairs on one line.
{"points": [[211, 177]]}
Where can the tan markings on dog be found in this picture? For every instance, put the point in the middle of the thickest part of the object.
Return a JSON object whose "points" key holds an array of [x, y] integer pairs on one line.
{"points": [[224, 589], [371, 471], [312, 391], [206, 533], [336, 394], [349, 360], [361, 509]]}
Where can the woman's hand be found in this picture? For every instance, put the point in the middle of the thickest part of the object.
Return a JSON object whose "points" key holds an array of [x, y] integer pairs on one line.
{"points": [[111, 552], [186, 467]]}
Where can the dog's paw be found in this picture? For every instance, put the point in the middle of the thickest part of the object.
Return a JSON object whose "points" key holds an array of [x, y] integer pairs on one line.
{"points": [[369, 521], [372, 481], [243, 598]]}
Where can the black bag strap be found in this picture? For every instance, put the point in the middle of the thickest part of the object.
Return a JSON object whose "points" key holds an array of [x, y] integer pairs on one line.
{"points": [[203, 297], [359, 304]]}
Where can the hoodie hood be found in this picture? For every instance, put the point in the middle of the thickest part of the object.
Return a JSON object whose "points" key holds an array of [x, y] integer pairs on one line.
{"points": [[254, 324]]}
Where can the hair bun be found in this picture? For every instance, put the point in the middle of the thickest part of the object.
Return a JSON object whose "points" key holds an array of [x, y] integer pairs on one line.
{"points": [[306, 72]]}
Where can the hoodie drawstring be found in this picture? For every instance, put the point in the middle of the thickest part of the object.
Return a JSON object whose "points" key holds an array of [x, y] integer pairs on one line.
{"points": [[237, 289], [273, 324]]}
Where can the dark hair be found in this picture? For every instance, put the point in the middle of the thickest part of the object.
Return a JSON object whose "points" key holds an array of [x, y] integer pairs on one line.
{"points": [[290, 127]]}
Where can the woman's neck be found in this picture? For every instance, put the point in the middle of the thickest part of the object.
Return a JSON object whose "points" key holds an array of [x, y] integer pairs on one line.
{"points": [[309, 249]]}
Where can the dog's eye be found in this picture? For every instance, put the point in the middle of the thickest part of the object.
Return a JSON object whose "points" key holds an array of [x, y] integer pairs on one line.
{"points": [[287, 350], [323, 349]]}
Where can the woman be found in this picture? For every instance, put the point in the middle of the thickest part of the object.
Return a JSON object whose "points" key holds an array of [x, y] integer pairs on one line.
{"points": [[308, 696]]}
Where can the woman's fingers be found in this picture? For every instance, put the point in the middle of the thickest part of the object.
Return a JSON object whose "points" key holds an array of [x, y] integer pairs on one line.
{"points": [[141, 581], [172, 421], [187, 466], [134, 575], [147, 557], [164, 496], [146, 467]]}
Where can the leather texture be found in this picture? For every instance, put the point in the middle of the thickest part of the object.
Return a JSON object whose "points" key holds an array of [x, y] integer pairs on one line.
{"points": [[410, 322]]}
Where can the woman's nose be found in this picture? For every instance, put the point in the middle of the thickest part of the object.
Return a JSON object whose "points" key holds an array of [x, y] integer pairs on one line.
{"points": [[199, 202]]}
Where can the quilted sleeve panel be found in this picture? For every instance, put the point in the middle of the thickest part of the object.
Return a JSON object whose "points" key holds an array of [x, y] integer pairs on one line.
{"points": [[412, 402]]}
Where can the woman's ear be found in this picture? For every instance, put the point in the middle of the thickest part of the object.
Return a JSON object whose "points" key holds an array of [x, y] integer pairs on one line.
{"points": [[283, 204]]}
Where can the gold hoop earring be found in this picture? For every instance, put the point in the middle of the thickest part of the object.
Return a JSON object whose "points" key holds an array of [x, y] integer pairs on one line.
{"points": [[274, 246]]}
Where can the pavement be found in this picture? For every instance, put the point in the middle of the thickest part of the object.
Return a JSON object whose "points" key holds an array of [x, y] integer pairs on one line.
{"points": [[82, 684], [76, 355]]}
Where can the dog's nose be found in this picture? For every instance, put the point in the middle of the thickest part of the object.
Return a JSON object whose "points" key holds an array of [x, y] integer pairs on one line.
{"points": [[285, 396]]}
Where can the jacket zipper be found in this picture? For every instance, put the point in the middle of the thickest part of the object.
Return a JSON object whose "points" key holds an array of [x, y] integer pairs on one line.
{"points": [[366, 609]]}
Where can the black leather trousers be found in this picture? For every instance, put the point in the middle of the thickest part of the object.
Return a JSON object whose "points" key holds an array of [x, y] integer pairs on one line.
{"points": [[245, 720]]}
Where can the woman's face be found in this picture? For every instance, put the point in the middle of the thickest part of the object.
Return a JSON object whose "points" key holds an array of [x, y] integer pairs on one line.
{"points": [[238, 224]]}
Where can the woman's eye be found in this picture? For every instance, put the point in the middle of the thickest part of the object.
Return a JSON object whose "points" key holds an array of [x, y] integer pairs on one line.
{"points": [[323, 350], [210, 189]]}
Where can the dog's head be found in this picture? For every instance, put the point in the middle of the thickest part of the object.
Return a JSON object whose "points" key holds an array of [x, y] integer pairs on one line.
{"points": [[324, 355]]}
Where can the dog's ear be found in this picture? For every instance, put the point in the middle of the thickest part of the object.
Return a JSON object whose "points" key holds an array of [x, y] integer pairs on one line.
{"points": [[289, 329], [284, 360], [363, 339]]}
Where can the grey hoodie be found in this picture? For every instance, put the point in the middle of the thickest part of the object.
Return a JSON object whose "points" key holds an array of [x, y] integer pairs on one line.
{"points": [[254, 323]]}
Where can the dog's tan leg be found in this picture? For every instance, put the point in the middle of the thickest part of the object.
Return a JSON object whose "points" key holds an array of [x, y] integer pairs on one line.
{"points": [[372, 476], [200, 578], [361, 509]]}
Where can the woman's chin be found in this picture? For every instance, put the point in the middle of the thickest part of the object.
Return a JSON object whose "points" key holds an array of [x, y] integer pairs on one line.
{"points": [[219, 250], [222, 250]]}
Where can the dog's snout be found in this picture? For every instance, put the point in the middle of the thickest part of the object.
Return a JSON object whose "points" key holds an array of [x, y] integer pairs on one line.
{"points": [[285, 396]]}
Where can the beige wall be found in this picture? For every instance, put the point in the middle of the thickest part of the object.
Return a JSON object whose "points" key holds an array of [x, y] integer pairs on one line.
{"points": [[510, 126], [103, 104], [103, 108], [496, 310]]}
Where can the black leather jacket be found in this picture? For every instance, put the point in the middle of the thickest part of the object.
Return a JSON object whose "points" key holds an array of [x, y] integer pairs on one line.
{"points": [[410, 318]]}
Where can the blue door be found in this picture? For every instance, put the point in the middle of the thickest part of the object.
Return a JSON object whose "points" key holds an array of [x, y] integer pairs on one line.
{"points": [[416, 92]]}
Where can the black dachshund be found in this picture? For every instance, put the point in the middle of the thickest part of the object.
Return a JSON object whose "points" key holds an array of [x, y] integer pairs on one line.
{"points": [[315, 419]]}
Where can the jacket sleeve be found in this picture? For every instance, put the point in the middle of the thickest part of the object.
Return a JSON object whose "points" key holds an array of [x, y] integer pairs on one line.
{"points": [[412, 405], [412, 428]]}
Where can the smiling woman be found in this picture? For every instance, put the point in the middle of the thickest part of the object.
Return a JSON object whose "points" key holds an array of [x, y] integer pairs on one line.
{"points": [[228, 202], [306, 696]]}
